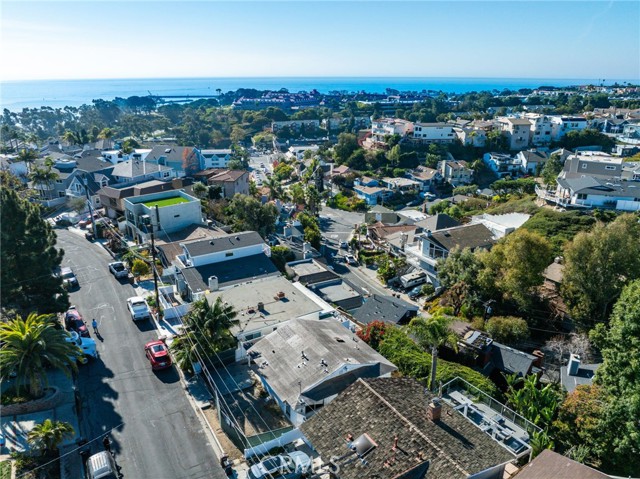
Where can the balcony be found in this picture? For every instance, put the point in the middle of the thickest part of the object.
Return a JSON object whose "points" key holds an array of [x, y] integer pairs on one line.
{"points": [[74, 193], [500, 423]]}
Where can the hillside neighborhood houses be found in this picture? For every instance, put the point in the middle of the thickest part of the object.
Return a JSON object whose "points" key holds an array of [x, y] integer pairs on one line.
{"points": [[325, 255]]}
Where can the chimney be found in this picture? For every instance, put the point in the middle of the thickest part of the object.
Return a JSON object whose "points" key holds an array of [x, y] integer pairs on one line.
{"points": [[260, 306], [213, 283], [574, 365], [403, 240], [434, 411], [539, 361], [429, 233]]}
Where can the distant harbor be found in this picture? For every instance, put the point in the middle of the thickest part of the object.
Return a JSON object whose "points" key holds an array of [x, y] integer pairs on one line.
{"points": [[16, 95]]}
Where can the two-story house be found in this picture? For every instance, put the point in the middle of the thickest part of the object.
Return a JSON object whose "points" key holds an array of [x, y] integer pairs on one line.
{"points": [[135, 171], [561, 125], [167, 211], [426, 133], [432, 246], [402, 185], [426, 177], [532, 161], [541, 129], [216, 158], [219, 263], [455, 172], [184, 160], [230, 182], [503, 164], [385, 127], [470, 136]]}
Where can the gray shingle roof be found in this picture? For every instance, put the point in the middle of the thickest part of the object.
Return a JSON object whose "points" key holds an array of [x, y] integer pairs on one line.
{"points": [[384, 308], [324, 339], [437, 222], [225, 243], [511, 360], [467, 236], [389, 408]]}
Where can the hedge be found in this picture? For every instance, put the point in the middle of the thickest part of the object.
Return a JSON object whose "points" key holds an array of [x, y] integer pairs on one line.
{"points": [[412, 361]]}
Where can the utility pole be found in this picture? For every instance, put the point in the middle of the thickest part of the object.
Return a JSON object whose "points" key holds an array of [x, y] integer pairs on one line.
{"points": [[153, 261], [85, 182]]}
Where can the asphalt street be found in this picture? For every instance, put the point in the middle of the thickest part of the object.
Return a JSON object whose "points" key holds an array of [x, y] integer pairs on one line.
{"points": [[155, 431], [337, 225]]}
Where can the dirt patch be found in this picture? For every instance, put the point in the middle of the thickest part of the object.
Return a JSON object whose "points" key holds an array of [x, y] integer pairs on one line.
{"points": [[227, 446]]}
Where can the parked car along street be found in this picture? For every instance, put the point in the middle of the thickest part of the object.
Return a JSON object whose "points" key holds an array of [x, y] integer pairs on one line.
{"points": [[291, 465], [73, 321], [158, 355], [118, 269], [138, 308], [69, 279]]}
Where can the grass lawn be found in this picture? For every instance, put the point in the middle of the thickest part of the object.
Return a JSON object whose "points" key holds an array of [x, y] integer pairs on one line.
{"points": [[5, 470], [166, 202]]}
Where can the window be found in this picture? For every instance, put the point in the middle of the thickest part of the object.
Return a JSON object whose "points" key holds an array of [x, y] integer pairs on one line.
{"points": [[61, 194], [165, 174], [228, 254], [582, 196], [59, 182], [584, 166], [609, 167]]}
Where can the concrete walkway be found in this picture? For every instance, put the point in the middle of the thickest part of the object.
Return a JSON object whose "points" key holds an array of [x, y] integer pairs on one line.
{"points": [[16, 428]]}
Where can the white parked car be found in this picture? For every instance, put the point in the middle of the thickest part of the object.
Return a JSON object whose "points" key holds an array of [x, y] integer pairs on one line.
{"points": [[351, 259], [87, 345], [118, 269], [138, 308]]}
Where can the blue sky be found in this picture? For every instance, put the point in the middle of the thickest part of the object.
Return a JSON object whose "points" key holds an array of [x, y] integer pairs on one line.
{"points": [[151, 39]]}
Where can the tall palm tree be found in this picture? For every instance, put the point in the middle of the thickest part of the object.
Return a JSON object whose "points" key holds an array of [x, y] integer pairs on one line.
{"points": [[106, 134], [48, 435], [275, 188], [32, 344], [432, 333], [28, 156], [44, 177]]}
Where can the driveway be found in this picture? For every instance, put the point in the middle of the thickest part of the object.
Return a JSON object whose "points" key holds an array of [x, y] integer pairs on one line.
{"points": [[154, 429]]}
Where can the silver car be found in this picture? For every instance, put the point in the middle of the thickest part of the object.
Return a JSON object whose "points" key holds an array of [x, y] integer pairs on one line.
{"points": [[118, 269]]}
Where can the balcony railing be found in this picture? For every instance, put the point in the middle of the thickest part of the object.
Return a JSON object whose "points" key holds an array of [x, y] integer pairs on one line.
{"points": [[74, 193]]}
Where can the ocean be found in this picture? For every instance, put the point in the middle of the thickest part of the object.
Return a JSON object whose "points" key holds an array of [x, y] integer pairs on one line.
{"points": [[16, 95]]}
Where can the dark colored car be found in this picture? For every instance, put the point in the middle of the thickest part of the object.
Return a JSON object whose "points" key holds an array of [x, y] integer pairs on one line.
{"points": [[158, 355], [73, 321]]}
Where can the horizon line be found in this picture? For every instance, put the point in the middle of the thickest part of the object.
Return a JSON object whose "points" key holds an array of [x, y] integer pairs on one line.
{"points": [[373, 77]]}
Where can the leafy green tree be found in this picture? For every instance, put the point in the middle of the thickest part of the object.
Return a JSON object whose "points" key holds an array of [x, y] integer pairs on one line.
{"points": [[140, 268], [28, 258], [248, 214], [619, 378], [388, 267], [559, 227], [313, 236], [48, 435], [313, 200], [283, 171], [30, 345], [598, 264], [280, 255], [347, 144], [507, 329], [200, 190], [551, 169], [587, 137], [515, 265], [461, 265], [433, 333]]}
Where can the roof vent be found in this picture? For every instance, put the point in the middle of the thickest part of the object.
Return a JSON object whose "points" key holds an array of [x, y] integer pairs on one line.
{"points": [[363, 445], [168, 150], [212, 242]]}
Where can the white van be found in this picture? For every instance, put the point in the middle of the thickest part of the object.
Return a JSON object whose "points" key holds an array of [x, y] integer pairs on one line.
{"points": [[102, 466], [414, 279], [87, 345]]}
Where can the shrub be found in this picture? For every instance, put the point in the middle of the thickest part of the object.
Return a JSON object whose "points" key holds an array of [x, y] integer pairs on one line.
{"points": [[507, 329], [412, 361]]}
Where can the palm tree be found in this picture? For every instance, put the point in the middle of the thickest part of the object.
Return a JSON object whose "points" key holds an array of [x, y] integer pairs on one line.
{"points": [[184, 350], [275, 188], [105, 134], [48, 435], [432, 333], [212, 321], [28, 156], [32, 344], [44, 177]]}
